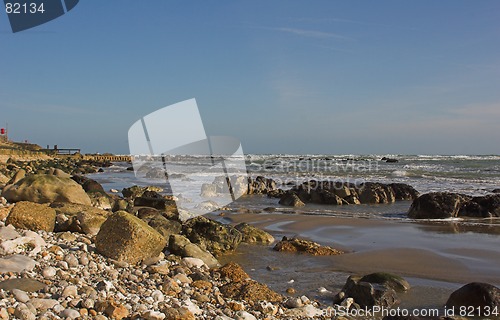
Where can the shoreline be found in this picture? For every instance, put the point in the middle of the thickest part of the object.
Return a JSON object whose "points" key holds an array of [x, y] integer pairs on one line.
{"points": [[410, 250]]}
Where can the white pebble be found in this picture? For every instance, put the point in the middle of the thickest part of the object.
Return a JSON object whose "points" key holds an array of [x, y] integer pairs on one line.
{"points": [[158, 296], [71, 260], [49, 272], [153, 315], [70, 313], [63, 265], [70, 291]]}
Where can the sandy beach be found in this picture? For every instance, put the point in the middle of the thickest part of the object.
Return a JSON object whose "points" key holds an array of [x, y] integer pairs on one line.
{"points": [[400, 247]]}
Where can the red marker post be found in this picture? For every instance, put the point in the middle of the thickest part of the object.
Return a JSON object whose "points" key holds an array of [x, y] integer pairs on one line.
{"points": [[2, 131]]}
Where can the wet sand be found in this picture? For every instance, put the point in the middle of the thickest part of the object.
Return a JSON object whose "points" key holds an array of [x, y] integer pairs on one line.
{"points": [[436, 257]]}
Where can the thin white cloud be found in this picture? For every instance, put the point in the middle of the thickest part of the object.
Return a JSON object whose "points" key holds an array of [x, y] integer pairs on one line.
{"points": [[312, 33], [485, 111]]}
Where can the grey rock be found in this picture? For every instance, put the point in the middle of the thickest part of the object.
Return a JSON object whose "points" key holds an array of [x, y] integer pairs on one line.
{"points": [[20, 295], [70, 313], [70, 291], [43, 304], [16, 263], [25, 284]]}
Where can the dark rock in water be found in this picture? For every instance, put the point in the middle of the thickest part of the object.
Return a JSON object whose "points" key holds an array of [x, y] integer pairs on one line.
{"points": [[100, 170], [367, 294], [211, 235], [89, 185], [476, 296], [278, 193], [374, 192], [404, 191], [295, 245], [489, 206], [24, 284], [437, 205], [130, 169], [495, 190], [389, 160], [291, 199], [388, 280], [261, 185]]}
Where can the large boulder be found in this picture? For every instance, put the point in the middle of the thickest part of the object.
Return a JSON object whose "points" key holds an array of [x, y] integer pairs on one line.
{"points": [[437, 205], [374, 192], [181, 246], [388, 280], [403, 191], [124, 237], [211, 235], [477, 297], [32, 216], [43, 188], [79, 218], [367, 294], [482, 207], [251, 234]]}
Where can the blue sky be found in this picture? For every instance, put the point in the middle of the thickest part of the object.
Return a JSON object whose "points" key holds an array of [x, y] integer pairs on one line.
{"points": [[334, 77]]}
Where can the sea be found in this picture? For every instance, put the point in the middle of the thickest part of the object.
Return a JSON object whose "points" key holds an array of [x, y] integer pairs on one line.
{"points": [[436, 256], [467, 174]]}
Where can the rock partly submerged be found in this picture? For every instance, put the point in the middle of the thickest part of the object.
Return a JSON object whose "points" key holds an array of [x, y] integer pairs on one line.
{"points": [[295, 245], [376, 289], [340, 193], [442, 205]]}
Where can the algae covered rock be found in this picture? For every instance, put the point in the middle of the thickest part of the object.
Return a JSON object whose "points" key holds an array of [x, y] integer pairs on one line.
{"points": [[32, 216], [295, 245], [43, 188], [252, 234], [124, 237]]}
